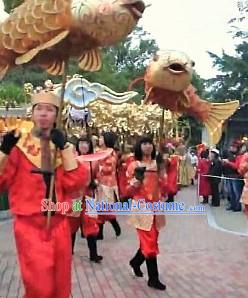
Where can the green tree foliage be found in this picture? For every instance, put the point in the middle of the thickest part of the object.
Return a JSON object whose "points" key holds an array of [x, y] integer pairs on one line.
{"points": [[121, 64], [11, 4], [233, 81], [239, 20], [11, 93], [124, 62]]}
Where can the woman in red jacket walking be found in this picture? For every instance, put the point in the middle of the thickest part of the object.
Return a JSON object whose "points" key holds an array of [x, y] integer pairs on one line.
{"points": [[203, 169]]}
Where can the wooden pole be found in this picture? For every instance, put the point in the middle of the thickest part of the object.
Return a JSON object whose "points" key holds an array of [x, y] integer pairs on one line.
{"points": [[58, 125], [161, 131]]}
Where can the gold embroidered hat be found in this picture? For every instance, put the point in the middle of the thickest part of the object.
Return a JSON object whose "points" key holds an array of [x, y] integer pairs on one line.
{"points": [[45, 97]]}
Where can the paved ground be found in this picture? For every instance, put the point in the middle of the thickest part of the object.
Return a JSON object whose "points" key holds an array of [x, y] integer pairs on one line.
{"points": [[235, 222], [196, 260]]}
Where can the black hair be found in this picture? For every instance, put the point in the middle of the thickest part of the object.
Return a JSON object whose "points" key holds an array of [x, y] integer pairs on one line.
{"points": [[204, 154], [109, 139], [87, 140], [137, 149]]}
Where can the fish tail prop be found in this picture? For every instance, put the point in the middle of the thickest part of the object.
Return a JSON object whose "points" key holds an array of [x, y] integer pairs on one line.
{"points": [[218, 114]]}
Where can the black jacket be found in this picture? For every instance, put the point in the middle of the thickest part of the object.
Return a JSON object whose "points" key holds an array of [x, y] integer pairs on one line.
{"points": [[215, 170]]}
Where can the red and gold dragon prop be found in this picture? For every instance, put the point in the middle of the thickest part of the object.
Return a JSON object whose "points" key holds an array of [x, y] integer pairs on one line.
{"points": [[168, 84], [48, 32]]}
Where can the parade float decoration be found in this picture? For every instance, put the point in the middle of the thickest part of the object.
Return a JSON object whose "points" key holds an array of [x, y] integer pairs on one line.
{"points": [[94, 107], [50, 32], [168, 84]]}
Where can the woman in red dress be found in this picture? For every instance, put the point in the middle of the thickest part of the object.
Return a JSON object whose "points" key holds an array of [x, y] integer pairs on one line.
{"points": [[203, 169], [172, 174], [107, 185]]}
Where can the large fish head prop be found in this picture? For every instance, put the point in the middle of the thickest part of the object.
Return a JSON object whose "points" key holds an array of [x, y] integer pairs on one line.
{"points": [[170, 70]]}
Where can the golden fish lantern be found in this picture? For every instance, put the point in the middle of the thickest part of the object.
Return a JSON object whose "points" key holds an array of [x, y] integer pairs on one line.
{"points": [[50, 32]]}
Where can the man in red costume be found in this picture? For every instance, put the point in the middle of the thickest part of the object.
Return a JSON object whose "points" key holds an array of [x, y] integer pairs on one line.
{"points": [[145, 182], [44, 252]]}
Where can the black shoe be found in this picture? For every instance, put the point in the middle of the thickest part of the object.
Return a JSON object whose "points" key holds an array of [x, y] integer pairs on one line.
{"points": [[229, 208], [136, 262], [94, 257], [116, 227], [205, 201], [100, 234], [237, 210], [152, 269], [136, 271], [156, 284]]}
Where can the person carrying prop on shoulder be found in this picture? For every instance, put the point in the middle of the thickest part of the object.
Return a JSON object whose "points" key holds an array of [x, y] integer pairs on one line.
{"points": [[172, 169], [145, 182], [107, 188], [89, 224], [44, 253]]}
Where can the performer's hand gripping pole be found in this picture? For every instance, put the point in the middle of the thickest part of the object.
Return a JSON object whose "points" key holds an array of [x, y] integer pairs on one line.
{"points": [[58, 125]]}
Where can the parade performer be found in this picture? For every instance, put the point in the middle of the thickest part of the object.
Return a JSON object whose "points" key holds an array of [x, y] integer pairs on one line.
{"points": [[87, 223], [107, 185], [186, 171], [145, 182], [44, 252], [203, 169], [172, 174]]}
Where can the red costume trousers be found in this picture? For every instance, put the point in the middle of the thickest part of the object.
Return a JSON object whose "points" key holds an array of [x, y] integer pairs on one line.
{"points": [[44, 256], [88, 225], [149, 241]]}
